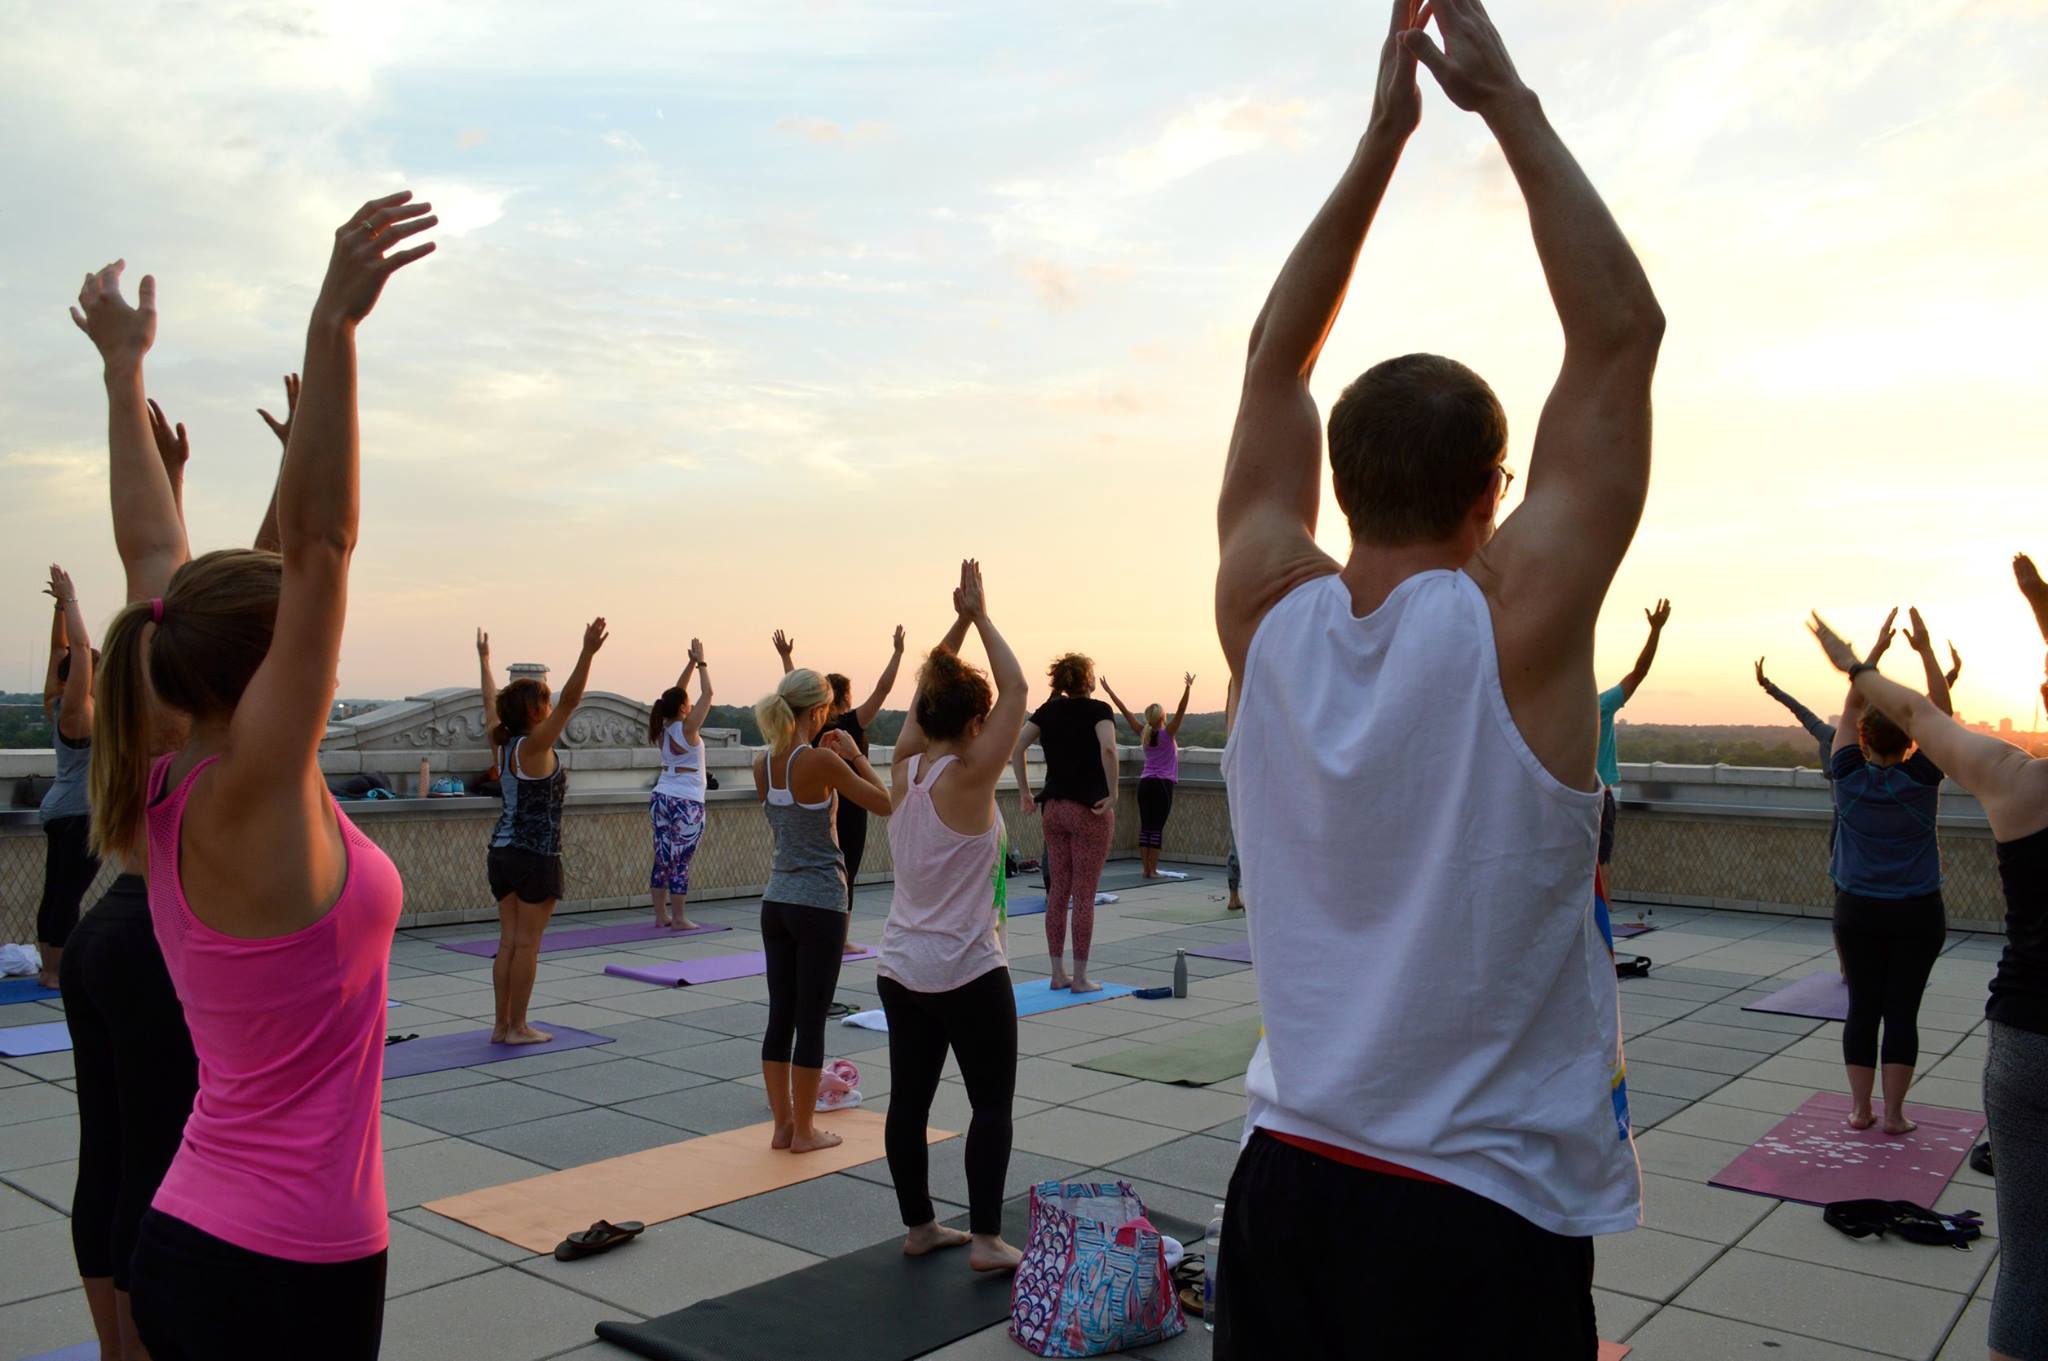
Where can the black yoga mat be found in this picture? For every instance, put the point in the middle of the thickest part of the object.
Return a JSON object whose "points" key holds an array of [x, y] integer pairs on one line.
{"points": [[871, 1305]]}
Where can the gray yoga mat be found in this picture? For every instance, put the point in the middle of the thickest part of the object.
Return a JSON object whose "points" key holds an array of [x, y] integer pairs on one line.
{"points": [[436, 1053], [624, 933]]}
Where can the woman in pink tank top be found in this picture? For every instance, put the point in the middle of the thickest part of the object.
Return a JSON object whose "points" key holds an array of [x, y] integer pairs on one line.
{"points": [[1159, 736], [944, 981], [267, 1236]]}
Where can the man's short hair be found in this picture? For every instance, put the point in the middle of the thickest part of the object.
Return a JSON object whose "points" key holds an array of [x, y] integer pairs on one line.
{"points": [[1412, 443]]}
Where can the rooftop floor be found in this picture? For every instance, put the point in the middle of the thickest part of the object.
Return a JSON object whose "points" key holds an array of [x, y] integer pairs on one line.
{"points": [[1712, 1274]]}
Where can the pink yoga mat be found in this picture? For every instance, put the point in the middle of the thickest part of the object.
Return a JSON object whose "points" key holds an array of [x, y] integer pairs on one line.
{"points": [[1238, 951], [622, 934], [1822, 996], [675, 973], [1814, 1157]]}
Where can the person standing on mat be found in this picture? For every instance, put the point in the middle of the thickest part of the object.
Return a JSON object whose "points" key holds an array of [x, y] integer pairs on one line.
{"points": [[2013, 789], [276, 915], [1890, 923], [1156, 735], [69, 866], [945, 983], [677, 806], [1078, 734], [1608, 763], [852, 827], [1412, 780], [135, 1070], [524, 863], [803, 909]]}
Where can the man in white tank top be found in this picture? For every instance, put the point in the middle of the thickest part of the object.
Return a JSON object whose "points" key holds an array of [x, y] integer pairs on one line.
{"points": [[1411, 781]]}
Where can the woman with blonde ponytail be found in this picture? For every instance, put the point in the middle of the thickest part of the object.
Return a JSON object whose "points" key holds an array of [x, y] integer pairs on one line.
{"points": [[803, 910], [268, 1234]]}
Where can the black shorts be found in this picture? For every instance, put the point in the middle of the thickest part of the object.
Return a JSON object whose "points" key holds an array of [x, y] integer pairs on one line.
{"points": [[1488, 1284], [526, 875]]}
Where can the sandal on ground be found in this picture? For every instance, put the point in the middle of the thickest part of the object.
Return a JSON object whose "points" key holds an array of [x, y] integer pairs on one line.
{"points": [[1188, 1280], [599, 1237]]}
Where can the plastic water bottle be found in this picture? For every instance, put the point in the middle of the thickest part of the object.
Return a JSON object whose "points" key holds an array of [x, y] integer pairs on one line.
{"points": [[1180, 973], [1212, 1253]]}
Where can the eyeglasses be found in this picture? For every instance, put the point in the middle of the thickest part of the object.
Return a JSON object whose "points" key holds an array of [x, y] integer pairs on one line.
{"points": [[1507, 478]]}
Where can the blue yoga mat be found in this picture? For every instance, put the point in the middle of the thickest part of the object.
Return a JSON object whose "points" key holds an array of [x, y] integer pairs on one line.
{"points": [[77, 1351], [14, 990], [20, 1041], [1037, 996], [436, 1053]]}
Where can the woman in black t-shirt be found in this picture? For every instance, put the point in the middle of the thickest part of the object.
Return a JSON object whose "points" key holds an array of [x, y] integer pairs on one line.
{"points": [[1078, 734]]}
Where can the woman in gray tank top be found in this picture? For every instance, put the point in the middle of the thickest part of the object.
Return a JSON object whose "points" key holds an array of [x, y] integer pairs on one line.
{"points": [[69, 866], [803, 911]]}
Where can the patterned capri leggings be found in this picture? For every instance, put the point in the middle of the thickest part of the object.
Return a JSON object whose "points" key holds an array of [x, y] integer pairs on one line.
{"points": [[2016, 1101], [1076, 844], [678, 827]]}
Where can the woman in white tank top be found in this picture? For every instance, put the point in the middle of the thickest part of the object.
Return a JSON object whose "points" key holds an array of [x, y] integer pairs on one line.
{"points": [[677, 806]]}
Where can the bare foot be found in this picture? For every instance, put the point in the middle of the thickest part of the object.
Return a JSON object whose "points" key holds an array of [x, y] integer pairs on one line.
{"points": [[932, 1237], [1899, 1124], [526, 1034], [811, 1143], [991, 1253], [1082, 983], [662, 921], [1236, 904], [497, 1034], [851, 949], [783, 1134], [1861, 1119], [1058, 982], [683, 924], [46, 980]]}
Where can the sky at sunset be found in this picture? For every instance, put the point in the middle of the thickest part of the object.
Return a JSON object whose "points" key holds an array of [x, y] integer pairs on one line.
{"points": [[765, 314]]}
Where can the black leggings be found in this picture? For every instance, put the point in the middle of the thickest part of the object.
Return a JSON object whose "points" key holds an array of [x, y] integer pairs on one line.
{"points": [[1155, 806], [852, 828], [69, 867], [978, 1021], [198, 1298], [1888, 947], [136, 1074], [802, 944]]}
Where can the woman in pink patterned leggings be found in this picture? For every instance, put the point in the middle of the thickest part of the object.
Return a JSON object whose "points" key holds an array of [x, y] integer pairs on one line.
{"points": [[1078, 734]]}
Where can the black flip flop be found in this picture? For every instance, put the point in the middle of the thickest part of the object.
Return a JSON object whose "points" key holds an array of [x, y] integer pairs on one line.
{"points": [[599, 1237], [390, 1040]]}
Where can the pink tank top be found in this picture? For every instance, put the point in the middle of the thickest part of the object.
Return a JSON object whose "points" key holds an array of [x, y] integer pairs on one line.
{"points": [[941, 932], [1162, 758], [283, 1153]]}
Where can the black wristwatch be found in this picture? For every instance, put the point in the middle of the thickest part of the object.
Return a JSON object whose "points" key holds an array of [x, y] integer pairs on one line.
{"points": [[1859, 669]]}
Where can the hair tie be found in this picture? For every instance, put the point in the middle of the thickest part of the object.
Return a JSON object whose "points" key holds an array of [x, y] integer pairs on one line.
{"points": [[156, 609]]}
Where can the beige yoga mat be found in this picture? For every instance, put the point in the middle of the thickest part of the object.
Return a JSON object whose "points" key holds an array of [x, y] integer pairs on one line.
{"points": [[663, 1183]]}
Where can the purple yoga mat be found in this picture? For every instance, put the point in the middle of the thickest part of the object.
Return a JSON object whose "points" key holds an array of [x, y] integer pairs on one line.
{"points": [[1631, 930], [1822, 996], [622, 934], [434, 1053], [1814, 1157], [674, 973], [1238, 951], [77, 1351]]}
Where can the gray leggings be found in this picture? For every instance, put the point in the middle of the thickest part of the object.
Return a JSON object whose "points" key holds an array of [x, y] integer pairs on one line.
{"points": [[2016, 1105]]}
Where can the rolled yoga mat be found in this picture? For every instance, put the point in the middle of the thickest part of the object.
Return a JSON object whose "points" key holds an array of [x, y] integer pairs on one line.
{"points": [[48, 1037], [1822, 996], [623, 934], [1812, 1156], [659, 1184], [674, 973], [871, 1305], [1236, 952], [14, 990], [1199, 1056], [437, 1053]]}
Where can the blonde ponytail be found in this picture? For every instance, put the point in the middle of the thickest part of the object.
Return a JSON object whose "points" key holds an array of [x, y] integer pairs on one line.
{"points": [[801, 691], [121, 732]]}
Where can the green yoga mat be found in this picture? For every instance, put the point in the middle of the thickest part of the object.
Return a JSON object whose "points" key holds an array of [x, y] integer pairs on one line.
{"points": [[1210, 1054], [1194, 914]]}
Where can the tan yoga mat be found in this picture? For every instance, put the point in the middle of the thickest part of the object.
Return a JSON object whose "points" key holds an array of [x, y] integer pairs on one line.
{"points": [[663, 1183]]}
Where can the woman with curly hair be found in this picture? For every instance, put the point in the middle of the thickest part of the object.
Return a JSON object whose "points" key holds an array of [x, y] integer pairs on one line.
{"points": [[1078, 734]]}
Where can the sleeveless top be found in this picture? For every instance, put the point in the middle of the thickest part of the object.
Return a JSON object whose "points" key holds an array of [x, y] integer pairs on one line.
{"points": [[941, 932], [2019, 990], [532, 820], [1162, 758], [283, 1153], [807, 867], [66, 796], [1436, 990], [682, 764]]}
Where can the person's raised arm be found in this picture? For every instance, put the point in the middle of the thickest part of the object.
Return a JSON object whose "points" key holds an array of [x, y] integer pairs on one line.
{"points": [[1549, 567], [60, 639], [1658, 617], [266, 532], [837, 758], [2033, 588], [992, 746], [1849, 732], [1816, 727], [1181, 710], [701, 710], [1272, 479], [548, 731], [274, 737], [872, 705], [487, 683], [1020, 766], [785, 648], [149, 530], [1955, 671], [2011, 786], [1918, 638], [1137, 728], [174, 449], [75, 724]]}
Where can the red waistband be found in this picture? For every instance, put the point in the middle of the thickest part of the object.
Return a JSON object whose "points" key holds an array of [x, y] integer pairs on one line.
{"points": [[1363, 1161]]}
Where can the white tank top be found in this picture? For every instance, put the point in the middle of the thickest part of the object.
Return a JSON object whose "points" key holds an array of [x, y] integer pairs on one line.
{"points": [[682, 765], [1436, 991]]}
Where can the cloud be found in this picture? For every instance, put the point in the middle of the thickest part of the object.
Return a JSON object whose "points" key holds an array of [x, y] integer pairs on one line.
{"points": [[824, 131], [1210, 131]]}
